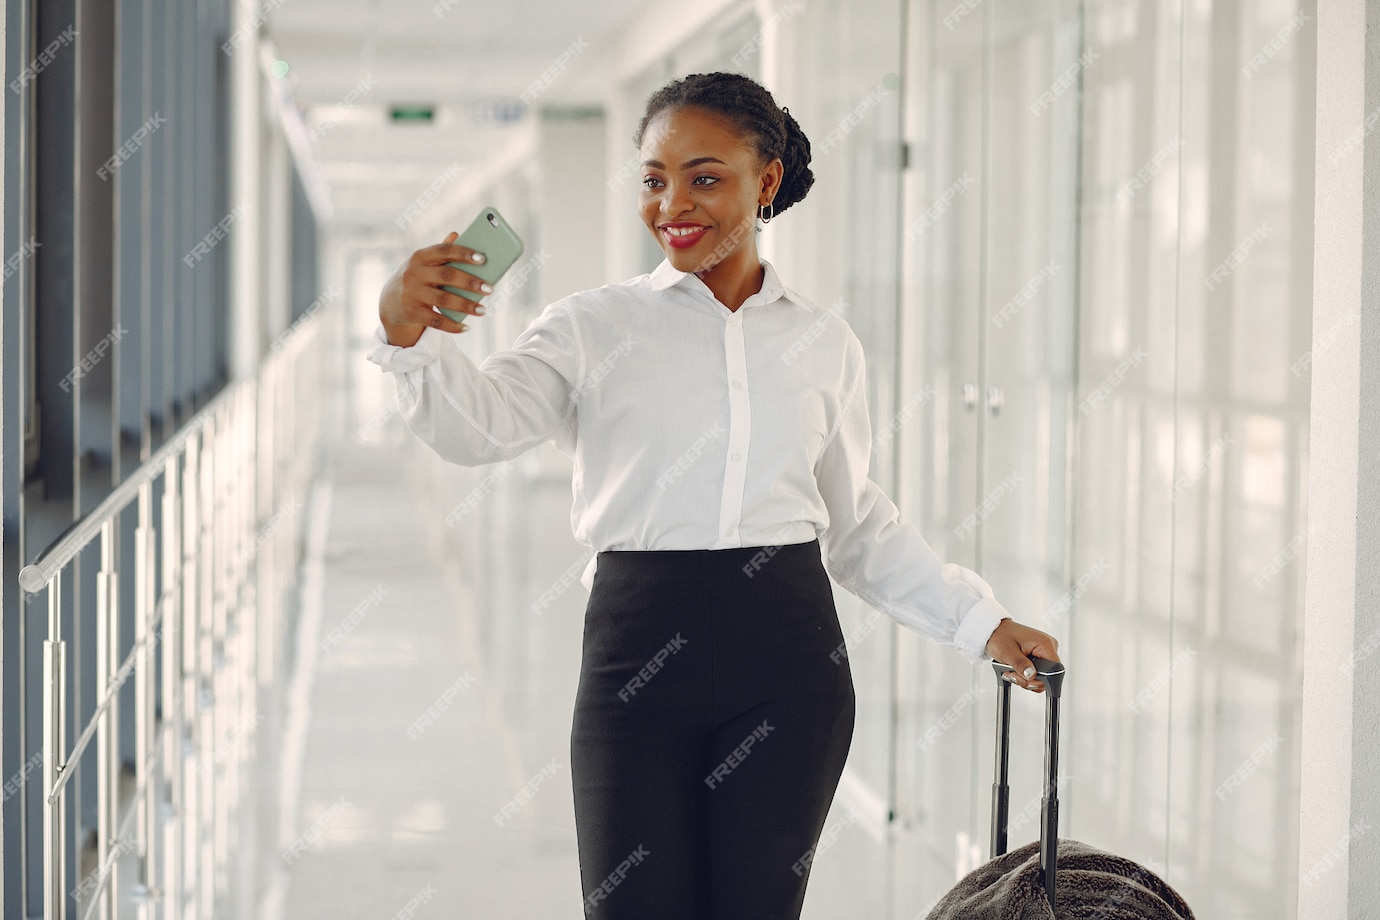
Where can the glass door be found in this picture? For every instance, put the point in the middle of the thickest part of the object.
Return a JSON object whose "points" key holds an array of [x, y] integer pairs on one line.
{"points": [[1029, 323], [989, 333]]}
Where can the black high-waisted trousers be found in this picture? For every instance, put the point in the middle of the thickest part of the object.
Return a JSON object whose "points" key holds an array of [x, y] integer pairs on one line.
{"points": [[714, 714]]}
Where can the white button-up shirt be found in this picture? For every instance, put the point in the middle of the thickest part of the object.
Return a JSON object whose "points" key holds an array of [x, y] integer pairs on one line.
{"points": [[695, 427]]}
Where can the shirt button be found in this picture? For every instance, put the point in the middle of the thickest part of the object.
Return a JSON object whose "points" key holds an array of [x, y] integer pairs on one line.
{"points": [[733, 320], [737, 455], [737, 384]]}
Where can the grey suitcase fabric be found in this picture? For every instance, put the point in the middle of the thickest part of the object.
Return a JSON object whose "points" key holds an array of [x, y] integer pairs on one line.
{"points": [[1089, 884]]}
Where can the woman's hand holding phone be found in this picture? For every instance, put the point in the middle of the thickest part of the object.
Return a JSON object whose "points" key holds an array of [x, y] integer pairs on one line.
{"points": [[405, 304]]}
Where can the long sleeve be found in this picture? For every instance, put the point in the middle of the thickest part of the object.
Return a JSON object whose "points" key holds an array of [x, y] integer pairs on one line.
{"points": [[514, 400], [884, 562]]}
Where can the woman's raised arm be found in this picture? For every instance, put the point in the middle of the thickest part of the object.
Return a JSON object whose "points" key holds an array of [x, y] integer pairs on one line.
{"points": [[473, 414]]}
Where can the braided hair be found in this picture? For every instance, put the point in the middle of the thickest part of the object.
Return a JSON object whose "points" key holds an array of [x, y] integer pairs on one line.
{"points": [[772, 131]]}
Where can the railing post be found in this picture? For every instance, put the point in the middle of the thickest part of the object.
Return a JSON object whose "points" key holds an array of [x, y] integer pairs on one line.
{"points": [[192, 580], [249, 619], [107, 751], [145, 599], [171, 735], [54, 743], [205, 671]]}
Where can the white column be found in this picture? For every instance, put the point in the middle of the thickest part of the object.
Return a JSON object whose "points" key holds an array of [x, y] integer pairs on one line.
{"points": [[571, 152], [1339, 827], [621, 174], [245, 178]]}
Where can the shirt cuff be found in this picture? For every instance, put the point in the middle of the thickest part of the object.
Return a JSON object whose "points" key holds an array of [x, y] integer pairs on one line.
{"points": [[396, 358], [977, 627]]}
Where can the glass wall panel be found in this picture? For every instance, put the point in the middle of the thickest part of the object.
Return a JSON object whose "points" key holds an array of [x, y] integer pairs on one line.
{"points": [[1200, 231], [989, 327], [1115, 794], [1027, 331], [839, 74], [939, 778], [1107, 287]]}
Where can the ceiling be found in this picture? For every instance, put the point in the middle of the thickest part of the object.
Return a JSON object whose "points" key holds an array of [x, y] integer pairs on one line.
{"points": [[351, 61]]}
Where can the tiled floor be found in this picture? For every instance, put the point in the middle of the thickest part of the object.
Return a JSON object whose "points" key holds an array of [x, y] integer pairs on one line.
{"points": [[408, 756]]}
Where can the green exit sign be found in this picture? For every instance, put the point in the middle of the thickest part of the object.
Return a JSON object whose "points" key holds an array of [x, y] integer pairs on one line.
{"points": [[417, 114]]}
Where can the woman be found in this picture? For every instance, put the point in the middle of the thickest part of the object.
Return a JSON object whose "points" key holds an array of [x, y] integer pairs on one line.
{"points": [[719, 428]]}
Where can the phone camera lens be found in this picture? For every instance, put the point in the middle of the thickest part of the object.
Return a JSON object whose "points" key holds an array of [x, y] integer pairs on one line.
{"points": [[493, 220]]}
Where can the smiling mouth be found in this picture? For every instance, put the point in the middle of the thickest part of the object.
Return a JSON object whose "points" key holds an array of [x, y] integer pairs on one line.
{"points": [[683, 237]]}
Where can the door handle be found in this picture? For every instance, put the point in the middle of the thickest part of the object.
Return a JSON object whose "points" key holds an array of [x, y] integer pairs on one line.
{"points": [[994, 399], [970, 395]]}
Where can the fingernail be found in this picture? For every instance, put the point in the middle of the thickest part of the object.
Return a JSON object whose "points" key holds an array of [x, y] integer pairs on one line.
{"points": [[479, 310], [486, 287], [463, 327], [479, 257], [1029, 673], [1009, 677]]}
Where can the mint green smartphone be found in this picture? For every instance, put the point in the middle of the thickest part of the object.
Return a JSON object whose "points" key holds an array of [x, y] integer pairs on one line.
{"points": [[490, 234]]}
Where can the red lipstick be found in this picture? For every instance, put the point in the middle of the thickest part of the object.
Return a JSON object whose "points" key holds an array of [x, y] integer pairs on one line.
{"points": [[682, 235]]}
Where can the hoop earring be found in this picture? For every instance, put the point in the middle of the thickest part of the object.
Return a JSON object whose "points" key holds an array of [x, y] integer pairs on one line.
{"points": [[761, 209]]}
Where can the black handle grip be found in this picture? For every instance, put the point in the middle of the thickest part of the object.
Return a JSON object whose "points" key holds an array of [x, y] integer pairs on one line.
{"points": [[1051, 673]]}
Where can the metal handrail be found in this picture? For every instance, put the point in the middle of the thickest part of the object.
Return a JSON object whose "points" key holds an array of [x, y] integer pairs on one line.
{"points": [[35, 576], [209, 579]]}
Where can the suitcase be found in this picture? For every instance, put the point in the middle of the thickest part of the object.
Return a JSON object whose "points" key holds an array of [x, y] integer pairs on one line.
{"points": [[1051, 879]]}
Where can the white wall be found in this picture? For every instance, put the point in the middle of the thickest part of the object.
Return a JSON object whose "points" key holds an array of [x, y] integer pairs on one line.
{"points": [[570, 208], [1339, 851]]}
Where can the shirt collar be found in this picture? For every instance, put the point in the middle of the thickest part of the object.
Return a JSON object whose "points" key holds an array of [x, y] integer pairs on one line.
{"points": [[665, 276]]}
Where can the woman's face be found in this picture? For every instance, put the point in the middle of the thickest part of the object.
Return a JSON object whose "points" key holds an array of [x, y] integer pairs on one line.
{"points": [[701, 185]]}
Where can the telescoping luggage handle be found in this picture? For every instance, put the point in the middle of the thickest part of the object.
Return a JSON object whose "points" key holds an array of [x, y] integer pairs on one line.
{"points": [[1051, 674]]}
